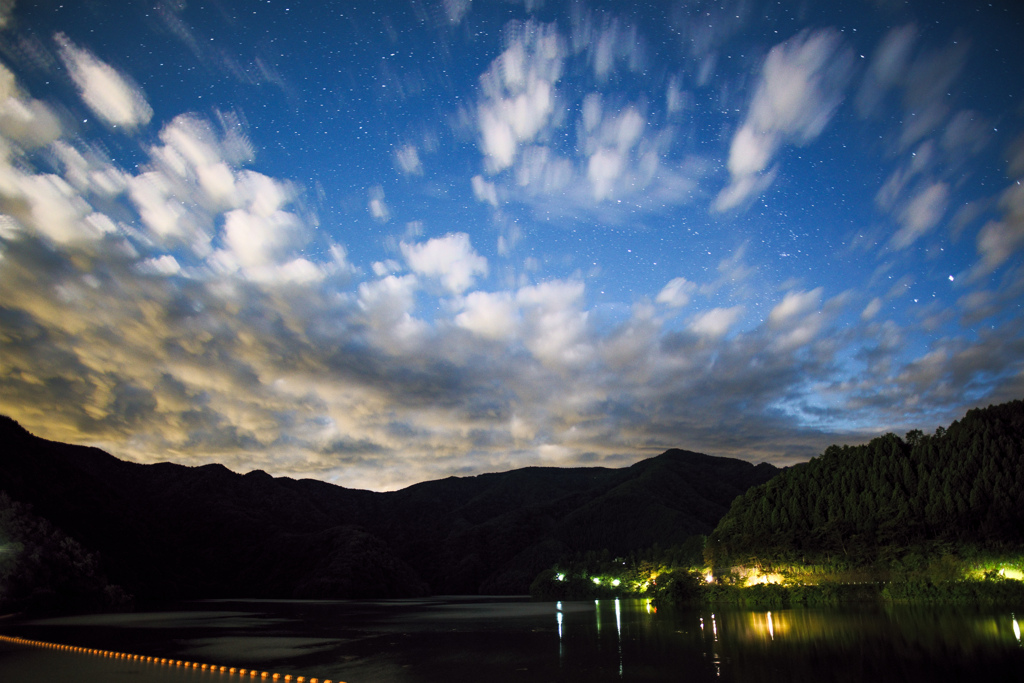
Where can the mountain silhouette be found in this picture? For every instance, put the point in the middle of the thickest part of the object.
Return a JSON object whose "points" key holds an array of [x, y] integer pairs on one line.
{"points": [[166, 531]]}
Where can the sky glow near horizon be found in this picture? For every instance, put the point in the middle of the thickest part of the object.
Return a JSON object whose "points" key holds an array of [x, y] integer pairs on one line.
{"points": [[380, 243]]}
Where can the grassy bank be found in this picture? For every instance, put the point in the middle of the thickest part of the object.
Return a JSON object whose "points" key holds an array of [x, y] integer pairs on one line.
{"points": [[683, 590]]}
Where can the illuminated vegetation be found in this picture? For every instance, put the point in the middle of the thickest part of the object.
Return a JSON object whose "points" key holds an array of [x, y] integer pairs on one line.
{"points": [[926, 518], [643, 574]]}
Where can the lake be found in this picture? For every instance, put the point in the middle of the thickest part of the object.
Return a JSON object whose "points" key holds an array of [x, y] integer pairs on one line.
{"points": [[502, 639]]}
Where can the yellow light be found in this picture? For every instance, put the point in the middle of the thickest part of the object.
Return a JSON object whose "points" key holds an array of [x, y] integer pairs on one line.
{"points": [[596, 579], [616, 582]]}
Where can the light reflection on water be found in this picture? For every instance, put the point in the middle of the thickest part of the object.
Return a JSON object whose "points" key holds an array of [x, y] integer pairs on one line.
{"points": [[498, 639]]}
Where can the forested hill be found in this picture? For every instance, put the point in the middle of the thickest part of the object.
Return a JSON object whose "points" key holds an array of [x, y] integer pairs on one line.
{"points": [[855, 505], [166, 531]]}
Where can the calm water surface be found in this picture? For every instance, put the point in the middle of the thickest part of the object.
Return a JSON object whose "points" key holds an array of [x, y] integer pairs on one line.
{"points": [[498, 639]]}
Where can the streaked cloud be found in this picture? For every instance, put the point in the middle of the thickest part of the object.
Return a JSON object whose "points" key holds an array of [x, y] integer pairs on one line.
{"points": [[519, 97], [24, 120], [408, 160], [109, 93], [677, 293], [801, 84], [921, 214], [483, 244], [1000, 239], [6, 8]]}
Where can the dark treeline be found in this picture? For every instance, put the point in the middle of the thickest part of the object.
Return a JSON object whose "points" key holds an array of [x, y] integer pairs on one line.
{"points": [[892, 503], [168, 532], [43, 569]]}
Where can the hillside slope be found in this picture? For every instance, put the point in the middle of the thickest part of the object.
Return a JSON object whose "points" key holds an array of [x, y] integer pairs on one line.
{"points": [[858, 505], [167, 531]]}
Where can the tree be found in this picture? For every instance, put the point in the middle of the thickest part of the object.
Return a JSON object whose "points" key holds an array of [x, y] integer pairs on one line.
{"points": [[41, 569]]}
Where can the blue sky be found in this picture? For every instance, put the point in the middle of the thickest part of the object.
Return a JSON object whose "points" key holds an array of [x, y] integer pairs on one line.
{"points": [[378, 243]]}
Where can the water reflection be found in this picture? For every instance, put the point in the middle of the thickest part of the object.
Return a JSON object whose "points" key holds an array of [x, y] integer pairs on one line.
{"points": [[487, 639]]}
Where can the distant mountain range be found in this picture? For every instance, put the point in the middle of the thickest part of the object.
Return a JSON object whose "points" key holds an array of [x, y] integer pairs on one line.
{"points": [[167, 531]]}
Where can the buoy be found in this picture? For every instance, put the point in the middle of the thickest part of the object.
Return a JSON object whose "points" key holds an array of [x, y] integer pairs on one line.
{"points": [[128, 656]]}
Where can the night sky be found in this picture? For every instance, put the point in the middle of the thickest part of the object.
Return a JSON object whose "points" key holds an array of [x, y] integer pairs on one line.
{"points": [[383, 242]]}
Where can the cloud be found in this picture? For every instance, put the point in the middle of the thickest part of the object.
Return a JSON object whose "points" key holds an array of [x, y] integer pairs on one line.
{"points": [[389, 299], [795, 304], [47, 205], [519, 92], [484, 191], [254, 239], [6, 8], [921, 214], [966, 134], [888, 67], [621, 168], [555, 324], [801, 85], [796, 321], [193, 176], [608, 140], [408, 160], [456, 9], [872, 309], [188, 309], [165, 265], [378, 209], [742, 188], [489, 315], [111, 95], [451, 259], [1000, 239], [717, 322], [23, 120], [677, 293]]}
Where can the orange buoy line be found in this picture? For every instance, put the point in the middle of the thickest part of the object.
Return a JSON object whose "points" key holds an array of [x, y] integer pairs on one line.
{"points": [[246, 673]]}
